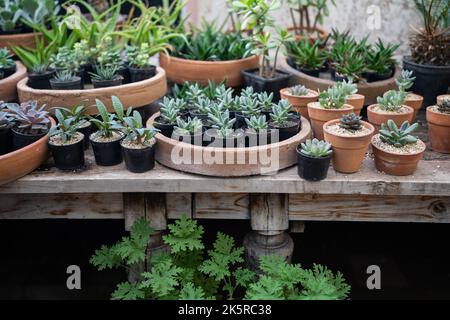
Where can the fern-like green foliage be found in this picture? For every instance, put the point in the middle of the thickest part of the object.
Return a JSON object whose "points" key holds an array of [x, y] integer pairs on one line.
{"points": [[184, 235]]}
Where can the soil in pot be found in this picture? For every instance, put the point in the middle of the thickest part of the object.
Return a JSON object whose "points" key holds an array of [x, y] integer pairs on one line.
{"points": [[288, 130], [312, 169], [20, 139], [40, 81], [261, 138], [107, 151], [397, 161], [349, 147], [69, 155], [86, 128], [107, 83], [300, 103], [236, 140], [414, 101], [438, 130], [319, 116], [165, 128], [357, 101], [5, 140], [137, 74], [9, 71], [261, 84], [66, 85], [138, 158], [377, 116]]}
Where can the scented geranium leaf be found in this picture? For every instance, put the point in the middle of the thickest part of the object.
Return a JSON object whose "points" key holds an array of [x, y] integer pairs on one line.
{"points": [[265, 289], [321, 284], [141, 231], [190, 292], [185, 235], [128, 291], [105, 258], [162, 279], [130, 251], [222, 257], [244, 277], [289, 275]]}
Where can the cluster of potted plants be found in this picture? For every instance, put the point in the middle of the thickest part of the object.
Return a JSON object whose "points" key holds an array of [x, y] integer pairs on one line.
{"points": [[7, 64]]}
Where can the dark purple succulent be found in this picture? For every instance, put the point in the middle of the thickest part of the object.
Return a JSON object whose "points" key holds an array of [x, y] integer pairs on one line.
{"points": [[29, 118]]}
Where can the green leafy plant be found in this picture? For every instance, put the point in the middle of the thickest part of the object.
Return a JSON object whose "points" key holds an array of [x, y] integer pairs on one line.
{"points": [[398, 137], [265, 101], [298, 91], [6, 59], [380, 58], [347, 88], [333, 98], [29, 118], [107, 124], [228, 101], [77, 112], [170, 109], [104, 73], [306, 55], [249, 93], [392, 100], [405, 81], [316, 149], [223, 123], [352, 67], [82, 53], [66, 128], [280, 113], [189, 126], [138, 57], [249, 107], [136, 132], [351, 122], [119, 109], [257, 123], [36, 60], [444, 106], [65, 59], [193, 93], [202, 105], [65, 76]]}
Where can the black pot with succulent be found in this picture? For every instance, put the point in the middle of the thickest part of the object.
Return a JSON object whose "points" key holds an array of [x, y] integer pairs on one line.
{"points": [[169, 111], [189, 131], [66, 64], [6, 122], [66, 80], [7, 64], [139, 65], [106, 141], [66, 143], [430, 50], [306, 57], [105, 76], [82, 122], [380, 62], [283, 121], [222, 133], [257, 132], [248, 107], [313, 160], [31, 123]]}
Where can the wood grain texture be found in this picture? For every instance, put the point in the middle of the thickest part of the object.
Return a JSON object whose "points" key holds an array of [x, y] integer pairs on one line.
{"points": [[133, 208], [222, 206], [178, 204], [269, 213], [136, 94], [8, 86]]}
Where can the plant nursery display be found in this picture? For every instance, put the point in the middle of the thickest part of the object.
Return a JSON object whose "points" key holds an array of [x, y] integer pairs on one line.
{"points": [[396, 151], [350, 138], [430, 50], [438, 118], [299, 97], [313, 159]]}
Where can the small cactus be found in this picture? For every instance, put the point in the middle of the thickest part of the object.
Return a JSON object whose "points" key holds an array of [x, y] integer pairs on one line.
{"points": [[444, 107], [398, 137], [351, 122]]}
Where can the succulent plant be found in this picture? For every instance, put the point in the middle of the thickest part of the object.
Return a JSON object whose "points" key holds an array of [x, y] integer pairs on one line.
{"points": [[392, 100], [316, 148], [66, 128], [222, 91], [216, 109], [107, 124], [82, 53], [119, 109], [138, 57], [202, 105], [136, 132], [189, 126], [65, 76], [6, 59], [107, 54], [228, 101], [265, 101], [222, 120], [5, 120], [398, 137], [213, 88], [77, 112], [104, 73], [65, 59], [257, 123], [298, 90], [351, 122], [347, 88], [249, 106], [280, 112], [170, 110], [29, 117], [405, 81], [249, 93], [333, 98], [194, 92], [444, 106]]}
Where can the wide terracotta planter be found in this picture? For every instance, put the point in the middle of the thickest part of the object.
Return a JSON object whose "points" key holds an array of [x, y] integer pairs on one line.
{"points": [[439, 130], [182, 70], [349, 151], [319, 116], [8, 86], [441, 98], [370, 90], [27, 40], [414, 101], [377, 118], [137, 94], [357, 101], [322, 34], [300, 104], [19, 163], [397, 164]]}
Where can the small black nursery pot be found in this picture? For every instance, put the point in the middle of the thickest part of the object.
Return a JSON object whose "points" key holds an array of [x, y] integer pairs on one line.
{"points": [[86, 130], [40, 80], [195, 139], [68, 157], [139, 160], [137, 74], [107, 153], [9, 71], [21, 140], [212, 139], [290, 129], [165, 129], [75, 84], [269, 85], [312, 169], [107, 83]]}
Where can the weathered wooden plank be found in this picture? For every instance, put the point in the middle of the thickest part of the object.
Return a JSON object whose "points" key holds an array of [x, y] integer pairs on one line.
{"points": [[269, 213], [178, 204], [369, 208], [155, 210], [133, 208], [61, 206], [222, 206]]}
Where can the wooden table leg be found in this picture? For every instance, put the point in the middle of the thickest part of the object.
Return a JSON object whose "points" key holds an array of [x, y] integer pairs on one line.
{"points": [[270, 221]]}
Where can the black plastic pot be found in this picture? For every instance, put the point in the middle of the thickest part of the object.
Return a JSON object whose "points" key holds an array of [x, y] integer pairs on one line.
{"points": [[87, 70], [139, 160], [20, 140], [5, 140], [261, 84], [312, 169], [311, 72], [40, 80], [338, 77], [211, 137], [196, 138], [261, 138], [137, 74], [125, 73], [374, 77], [8, 71], [66, 85], [431, 81], [86, 131], [166, 129], [68, 157], [287, 132], [240, 120], [107, 153], [195, 114], [107, 83]]}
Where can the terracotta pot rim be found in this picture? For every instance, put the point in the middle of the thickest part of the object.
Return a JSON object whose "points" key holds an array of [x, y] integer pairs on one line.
{"points": [[365, 123], [207, 63], [370, 108], [346, 107], [424, 147], [19, 35], [356, 96], [417, 97], [289, 95]]}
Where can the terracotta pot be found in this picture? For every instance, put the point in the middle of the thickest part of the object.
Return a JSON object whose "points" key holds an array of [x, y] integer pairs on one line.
{"points": [[319, 116], [397, 164], [323, 35], [182, 70], [8, 86], [357, 101], [299, 104], [349, 152], [439, 130], [440, 99], [414, 101], [27, 40], [377, 118], [17, 164]]}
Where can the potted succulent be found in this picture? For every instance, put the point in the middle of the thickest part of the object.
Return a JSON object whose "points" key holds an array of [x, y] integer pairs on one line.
{"points": [[438, 118], [350, 138], [404, 83], [106, 141], [440, 99], [249, 107], [396, 151], [82, 122], [350, 90], [138, 63], [229, 102], [170, 110], [105, 76], [31, 123], [265, 102], [306, 57], [283, 121], [6, 122], [66, 80], [380, 62], [390, 106], [299, 97], [201, 108], [313, 160], [257, 17], [66, 143], [138, 146], [430, 51], [7, 64], [331, 106], [257, 132], [222, 133], [189, 131], [66, 59]]}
